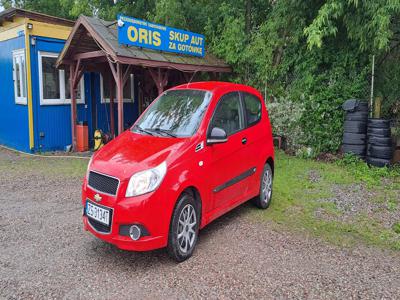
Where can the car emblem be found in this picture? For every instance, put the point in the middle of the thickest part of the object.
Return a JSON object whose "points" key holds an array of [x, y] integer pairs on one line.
{"points": [[97, 197]]}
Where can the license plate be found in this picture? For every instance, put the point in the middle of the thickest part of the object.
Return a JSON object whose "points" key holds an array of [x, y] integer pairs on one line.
{"points": [[98, 213]]}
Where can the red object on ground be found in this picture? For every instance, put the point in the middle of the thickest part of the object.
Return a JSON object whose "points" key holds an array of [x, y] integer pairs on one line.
{"points": [[219, 171], [82, 138]]}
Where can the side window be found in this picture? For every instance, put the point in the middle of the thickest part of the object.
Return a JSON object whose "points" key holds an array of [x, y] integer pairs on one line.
{"points": [[19, 76], [252, 107], [228, 114], [129, 90], [54, 84]]}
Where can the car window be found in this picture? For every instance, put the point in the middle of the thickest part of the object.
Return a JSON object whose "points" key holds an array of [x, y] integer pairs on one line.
{"points": [[252, 108], [176, 113], [228, 114]]}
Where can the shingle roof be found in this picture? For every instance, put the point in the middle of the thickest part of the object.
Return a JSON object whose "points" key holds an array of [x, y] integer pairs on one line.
{"points": [[12, 12], [106, 36]]}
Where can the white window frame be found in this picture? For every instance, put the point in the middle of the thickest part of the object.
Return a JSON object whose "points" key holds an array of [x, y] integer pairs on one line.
{"points": [[126, 100], [62, 84], [20, 56]]}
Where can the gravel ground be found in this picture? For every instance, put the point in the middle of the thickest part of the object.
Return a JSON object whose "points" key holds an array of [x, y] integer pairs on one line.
{"points": [[45, 253], [356, 199]]}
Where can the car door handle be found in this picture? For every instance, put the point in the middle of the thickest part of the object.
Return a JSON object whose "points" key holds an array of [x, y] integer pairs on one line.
{"points": [[244, 141]]}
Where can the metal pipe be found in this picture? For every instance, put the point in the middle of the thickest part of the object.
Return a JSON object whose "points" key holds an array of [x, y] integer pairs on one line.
{"points": [[372, 85]]}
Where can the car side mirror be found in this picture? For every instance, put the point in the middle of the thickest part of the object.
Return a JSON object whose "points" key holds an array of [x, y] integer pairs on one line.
{"points": [[217, 136]]}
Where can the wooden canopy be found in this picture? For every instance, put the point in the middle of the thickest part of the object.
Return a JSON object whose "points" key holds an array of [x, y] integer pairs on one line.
{"points": [[93, 46]]}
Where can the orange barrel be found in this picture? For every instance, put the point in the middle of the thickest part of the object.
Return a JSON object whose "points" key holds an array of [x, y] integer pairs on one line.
{"points": [[82, 138]]}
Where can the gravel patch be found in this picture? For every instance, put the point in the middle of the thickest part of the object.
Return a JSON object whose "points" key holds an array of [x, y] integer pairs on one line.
{"points": [[45, 254], [356, 199]]}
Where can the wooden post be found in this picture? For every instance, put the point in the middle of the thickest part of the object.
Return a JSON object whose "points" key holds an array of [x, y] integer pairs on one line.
{"points": [[112, 125], [73, 105], [119, 78], [75, 74], [120, 98], [161, 80]]}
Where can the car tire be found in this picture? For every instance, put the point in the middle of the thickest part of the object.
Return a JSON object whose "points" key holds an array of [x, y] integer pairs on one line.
{"points": [[383, 152], [266, 182], [183, 236], [378, 162], [380, 141], [378, 123], [354, 138], [357, 116], [381, 132], [355, 127], [355, 149]]}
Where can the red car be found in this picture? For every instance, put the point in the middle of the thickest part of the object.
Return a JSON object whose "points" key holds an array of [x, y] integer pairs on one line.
{"points": [[198, 151]]}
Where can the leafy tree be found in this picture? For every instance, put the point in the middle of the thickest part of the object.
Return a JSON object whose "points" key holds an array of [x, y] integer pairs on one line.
{"points": [[313, 53]]}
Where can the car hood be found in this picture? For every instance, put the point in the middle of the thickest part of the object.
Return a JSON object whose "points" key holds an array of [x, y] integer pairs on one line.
{"points": [[131, 152]]}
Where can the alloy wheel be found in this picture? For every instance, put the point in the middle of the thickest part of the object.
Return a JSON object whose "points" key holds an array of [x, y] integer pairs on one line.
{"points": [[187, 228], [267, 185]]}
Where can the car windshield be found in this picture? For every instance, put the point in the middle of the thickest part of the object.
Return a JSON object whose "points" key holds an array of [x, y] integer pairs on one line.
{"points": [[176, 113]]}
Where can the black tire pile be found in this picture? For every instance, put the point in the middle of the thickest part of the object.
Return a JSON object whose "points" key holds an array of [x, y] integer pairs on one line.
{"points": [[380, 149], [355, 128]]}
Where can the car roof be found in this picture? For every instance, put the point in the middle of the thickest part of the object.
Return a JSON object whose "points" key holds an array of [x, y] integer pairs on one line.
{"points": [[215, 86]]}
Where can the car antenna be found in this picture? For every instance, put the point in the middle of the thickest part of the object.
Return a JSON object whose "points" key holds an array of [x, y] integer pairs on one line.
{"points": [[191, 78]]}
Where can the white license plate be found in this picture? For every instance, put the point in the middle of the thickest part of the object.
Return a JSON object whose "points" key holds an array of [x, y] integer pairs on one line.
{"points": [[98, 213]]}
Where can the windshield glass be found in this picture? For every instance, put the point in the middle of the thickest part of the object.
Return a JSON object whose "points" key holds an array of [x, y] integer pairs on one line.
{"points": [[176, 113]]}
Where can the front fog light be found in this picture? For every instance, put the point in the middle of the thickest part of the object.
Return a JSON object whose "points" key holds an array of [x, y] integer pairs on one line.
{"points": [[134, 232]]}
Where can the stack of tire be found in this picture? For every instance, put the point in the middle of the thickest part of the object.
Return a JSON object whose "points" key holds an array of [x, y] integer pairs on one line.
{"points": [[355, 127], [380, 149]]}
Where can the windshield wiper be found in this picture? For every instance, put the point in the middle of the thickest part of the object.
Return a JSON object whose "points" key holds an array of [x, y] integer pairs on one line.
{"points": [[143, 130], [163, 131]]}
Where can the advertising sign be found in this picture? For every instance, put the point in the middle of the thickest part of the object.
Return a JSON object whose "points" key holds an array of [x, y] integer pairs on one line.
{"points": [[140, 33]]}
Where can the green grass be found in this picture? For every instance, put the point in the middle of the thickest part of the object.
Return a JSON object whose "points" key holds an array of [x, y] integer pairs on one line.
{"points": [[296, 200], [67, 167]]}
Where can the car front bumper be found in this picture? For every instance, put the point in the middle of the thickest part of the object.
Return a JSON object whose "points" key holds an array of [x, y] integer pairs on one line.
{"points": [[151, 211]]}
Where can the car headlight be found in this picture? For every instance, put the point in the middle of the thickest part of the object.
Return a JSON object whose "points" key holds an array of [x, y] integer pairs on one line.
{"points": [[146, 181], [88, 167]]}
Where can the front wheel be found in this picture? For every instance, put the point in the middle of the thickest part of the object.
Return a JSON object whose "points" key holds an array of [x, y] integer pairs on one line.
{"points": [[184, 228], [266, 179]]}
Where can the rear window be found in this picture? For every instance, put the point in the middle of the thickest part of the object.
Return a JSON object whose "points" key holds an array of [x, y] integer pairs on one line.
{"points": [[252, 108]]}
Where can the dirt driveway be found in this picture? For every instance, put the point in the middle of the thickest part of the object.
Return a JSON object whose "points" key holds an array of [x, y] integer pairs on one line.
{"points": [[45, 253]]}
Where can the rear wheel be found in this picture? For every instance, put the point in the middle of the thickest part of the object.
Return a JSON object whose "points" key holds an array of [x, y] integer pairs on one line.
{"points": [[264, 199], [184, 228]]}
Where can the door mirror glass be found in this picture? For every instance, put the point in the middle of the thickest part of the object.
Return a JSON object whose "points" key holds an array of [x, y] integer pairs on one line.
{"points": [[217, 136]]}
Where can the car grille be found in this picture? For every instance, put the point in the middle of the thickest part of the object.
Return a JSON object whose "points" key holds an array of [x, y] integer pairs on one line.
{"points": [[100, 227], [103, 183]]}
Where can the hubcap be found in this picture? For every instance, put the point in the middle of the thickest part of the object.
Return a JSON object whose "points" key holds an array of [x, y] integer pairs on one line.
{"points": [[187, 228], [266, 186]]}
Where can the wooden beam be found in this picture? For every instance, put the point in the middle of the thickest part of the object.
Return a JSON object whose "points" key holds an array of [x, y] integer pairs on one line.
{"points": [[120, 98], [111, 83], [73, 106], [168, 65], [113, 71], [86, 55], [127, 73], [161, 80]]}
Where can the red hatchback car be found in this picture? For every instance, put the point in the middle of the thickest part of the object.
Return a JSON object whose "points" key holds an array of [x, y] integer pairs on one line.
{"points": [[198, 151]]}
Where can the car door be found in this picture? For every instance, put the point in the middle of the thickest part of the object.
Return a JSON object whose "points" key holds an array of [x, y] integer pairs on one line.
{"points": [[228, 164], [255, 138]]}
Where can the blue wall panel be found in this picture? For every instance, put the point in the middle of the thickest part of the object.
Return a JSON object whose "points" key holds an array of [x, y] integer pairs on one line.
{"points": [[131, 110], [14, 128], [52, 122]]}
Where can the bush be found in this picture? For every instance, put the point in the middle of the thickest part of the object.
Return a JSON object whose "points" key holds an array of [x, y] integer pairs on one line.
{"points": [[285, 118]]}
